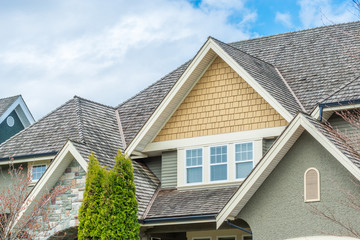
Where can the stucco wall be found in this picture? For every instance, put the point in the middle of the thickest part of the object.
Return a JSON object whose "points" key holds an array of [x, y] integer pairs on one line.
{"points": [[277, 210], [221, 102]]}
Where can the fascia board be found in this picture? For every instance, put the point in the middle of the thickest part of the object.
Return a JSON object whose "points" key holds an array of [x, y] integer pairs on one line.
{"points": [[257, 177], [154, 117], [25, 160], [54, 165], [18, 102], [175, 223], [208, 46], [299, 122], [316, 112], [328, 145], [251, 81]]}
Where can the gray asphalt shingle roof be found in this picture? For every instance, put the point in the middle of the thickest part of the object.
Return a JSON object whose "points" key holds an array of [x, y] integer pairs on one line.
{"points": [[91, 127], [175, 203], [6, 102]]}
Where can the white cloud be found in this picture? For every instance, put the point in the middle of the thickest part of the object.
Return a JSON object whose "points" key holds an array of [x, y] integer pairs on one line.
{"points": [[103, 50], [284, 18], [315, 13]]}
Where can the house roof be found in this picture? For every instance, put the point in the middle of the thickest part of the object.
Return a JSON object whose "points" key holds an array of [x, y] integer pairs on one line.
{"points": [[176, 203], [5, 103], [298, 69], [91, 127], [314, 62]]}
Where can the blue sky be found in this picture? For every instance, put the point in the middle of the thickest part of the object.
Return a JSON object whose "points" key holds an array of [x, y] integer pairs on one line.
{"points": [[107, 51]]}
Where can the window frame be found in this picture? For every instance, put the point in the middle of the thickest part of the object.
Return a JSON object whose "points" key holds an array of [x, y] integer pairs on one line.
{"points": [[226, 236], [199, 238], [236, 162], [318, 185], [31, 171], [214, 164], [202, 166]]}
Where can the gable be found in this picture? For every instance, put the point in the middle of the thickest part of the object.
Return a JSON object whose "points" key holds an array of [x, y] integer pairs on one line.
{"points": [[220, 102], [281, 196]]}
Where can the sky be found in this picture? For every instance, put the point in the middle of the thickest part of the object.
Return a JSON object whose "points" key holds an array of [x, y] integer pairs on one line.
{"points": [[107, 51]]}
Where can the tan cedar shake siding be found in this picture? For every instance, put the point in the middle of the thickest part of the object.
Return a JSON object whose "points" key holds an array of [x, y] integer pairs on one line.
{"points": [[221, 102]]}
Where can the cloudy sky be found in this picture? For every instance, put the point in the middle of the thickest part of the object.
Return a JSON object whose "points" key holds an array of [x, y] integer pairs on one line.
{"points": [[109, 50]]}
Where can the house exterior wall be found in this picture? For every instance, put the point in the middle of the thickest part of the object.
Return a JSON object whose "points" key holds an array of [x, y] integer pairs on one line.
{"points": [[221, 102], [154, 164], [6, 131], [214, 234], [277, 210], [64, 211], [169, 169], [5, 178]]}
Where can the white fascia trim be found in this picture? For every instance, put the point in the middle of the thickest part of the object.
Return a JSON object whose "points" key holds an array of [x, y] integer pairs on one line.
{"points": [[25, 160], [41, 184], [252, 82], [175, 223], [203, 51], [212, 139], [257, 172], [18, 102], [208, 46], [299, 121]]}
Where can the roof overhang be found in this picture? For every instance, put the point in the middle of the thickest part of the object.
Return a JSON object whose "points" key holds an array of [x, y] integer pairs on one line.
{"points": [[53, 173], [21, 110], [206, 55], [325, 110], [268, 163]]}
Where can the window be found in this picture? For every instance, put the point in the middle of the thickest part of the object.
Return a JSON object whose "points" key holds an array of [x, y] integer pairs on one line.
{"points": [[311, 185], [194, 165], [218, 163], [244, 159], [37, 171], [226, 238]]}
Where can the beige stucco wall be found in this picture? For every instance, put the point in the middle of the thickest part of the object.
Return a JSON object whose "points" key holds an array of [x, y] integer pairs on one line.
{"points": [[221, 102]]}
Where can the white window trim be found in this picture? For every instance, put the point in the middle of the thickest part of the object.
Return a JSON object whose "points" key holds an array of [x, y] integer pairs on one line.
{"points": [[226, 236], [214, 164], [34, 165], [318, 187], [253, 161], [202, 166]]}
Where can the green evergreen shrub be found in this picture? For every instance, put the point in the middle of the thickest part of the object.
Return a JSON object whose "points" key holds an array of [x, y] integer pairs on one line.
{"points": [[93, 201], [109, 208]]}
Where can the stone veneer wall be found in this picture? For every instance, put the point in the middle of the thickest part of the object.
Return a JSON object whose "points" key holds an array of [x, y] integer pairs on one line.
{"points": [[65, 209], [221, 102]]}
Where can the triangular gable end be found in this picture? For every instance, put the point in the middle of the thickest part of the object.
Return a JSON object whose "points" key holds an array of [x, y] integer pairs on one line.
{"points": [[183, 86], [270, 160], [220, 102]]}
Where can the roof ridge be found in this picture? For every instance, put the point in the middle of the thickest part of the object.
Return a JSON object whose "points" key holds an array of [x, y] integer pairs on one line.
{"points": [[38, 122], [257, 58], [19, 95], [296, 31], [91, 101], [79, 123], [340, 88], [152, 84]]}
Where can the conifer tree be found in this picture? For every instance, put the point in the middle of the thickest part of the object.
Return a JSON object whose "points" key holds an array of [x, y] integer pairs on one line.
{"points": [[121, 212], [90, 216]]}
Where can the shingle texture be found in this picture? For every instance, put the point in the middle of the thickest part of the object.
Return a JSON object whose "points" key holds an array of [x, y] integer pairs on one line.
{"points": [[91, 127], [6, 102], [136, 111], [314, 62], [175, 203]]}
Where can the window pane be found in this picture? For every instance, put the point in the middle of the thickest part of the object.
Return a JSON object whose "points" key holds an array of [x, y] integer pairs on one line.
{"points": [[194, 175], [194, 157], [37, 171], [244, 152], [218, 172], [243, 169]]}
